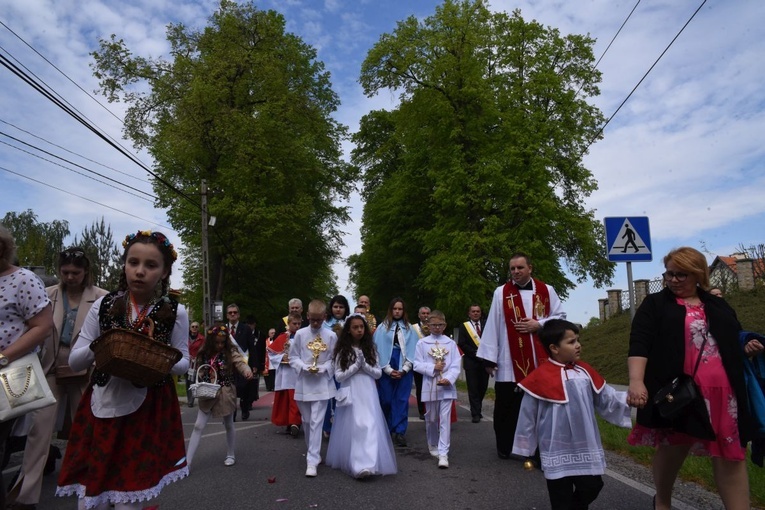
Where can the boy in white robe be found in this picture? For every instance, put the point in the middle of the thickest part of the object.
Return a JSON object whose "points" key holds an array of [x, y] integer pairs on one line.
{"points": [[558, 416], [311, 357], [437, 358]]}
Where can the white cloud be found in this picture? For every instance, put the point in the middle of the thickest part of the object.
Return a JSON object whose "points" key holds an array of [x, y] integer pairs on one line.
{"points": [[685, 150]]}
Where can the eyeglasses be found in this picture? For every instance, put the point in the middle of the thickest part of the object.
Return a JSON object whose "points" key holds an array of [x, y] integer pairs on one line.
{"points": [[232, 312], [680, 277]]}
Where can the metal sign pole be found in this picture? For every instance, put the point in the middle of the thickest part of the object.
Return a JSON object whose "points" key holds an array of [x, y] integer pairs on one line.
{"points": [[631, 289]]}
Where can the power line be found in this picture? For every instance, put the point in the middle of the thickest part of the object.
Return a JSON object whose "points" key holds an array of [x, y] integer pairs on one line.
{"points": [[62, 72], [75, 164], [592, 140], [85, 198], [74, 153], [75, 171], [48, 95], [595, 66], [85, 122], [616, 35]]}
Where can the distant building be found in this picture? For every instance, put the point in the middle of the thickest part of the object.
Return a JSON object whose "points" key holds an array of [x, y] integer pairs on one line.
{"points": [[736, 271]]}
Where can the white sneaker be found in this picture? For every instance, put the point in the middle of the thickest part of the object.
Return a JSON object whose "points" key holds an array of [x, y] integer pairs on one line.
{"points": [[443, 461], [364, 473], [310, 471], [230, 461], [433, 450]]}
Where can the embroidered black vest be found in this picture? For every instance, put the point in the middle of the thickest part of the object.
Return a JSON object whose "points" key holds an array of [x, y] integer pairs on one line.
{"points": [[112, 314]]}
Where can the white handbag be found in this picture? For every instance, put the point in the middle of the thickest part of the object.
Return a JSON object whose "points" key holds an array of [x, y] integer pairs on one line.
{"points": [[205, 390], [24, 388]]}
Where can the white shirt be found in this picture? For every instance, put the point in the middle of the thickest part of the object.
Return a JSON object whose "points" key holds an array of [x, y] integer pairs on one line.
{"points": [[495, 345]]}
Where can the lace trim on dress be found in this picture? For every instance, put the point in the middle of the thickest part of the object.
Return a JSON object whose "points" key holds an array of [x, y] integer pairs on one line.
{"points": [[120, 496]]}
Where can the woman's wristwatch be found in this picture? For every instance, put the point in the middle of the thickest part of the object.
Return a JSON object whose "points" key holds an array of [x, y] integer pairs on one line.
{"points": [[4, 360]]}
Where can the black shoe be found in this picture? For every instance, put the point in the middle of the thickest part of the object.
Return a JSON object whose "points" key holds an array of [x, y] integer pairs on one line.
{"points": [[400, 440], [422, 416], [503, 455], [293, 430], [476, 419], [245, 415]]}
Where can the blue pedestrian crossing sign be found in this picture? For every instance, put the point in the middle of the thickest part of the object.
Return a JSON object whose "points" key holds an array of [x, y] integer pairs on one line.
{"points": [[628, 239]]}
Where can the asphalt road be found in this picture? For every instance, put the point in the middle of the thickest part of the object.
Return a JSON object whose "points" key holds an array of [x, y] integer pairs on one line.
{"points": [[270, 467]]}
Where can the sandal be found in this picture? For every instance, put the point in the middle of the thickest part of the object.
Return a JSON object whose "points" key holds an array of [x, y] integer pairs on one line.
{"points": [[230, 461]]}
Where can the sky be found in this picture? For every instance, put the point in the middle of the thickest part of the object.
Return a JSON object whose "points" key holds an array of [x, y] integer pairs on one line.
{"points": [[683, 151]]}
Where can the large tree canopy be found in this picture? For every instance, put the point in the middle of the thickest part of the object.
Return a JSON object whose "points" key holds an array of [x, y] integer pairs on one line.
{"points": [[37, 244], [247, 107], [482, 158]]}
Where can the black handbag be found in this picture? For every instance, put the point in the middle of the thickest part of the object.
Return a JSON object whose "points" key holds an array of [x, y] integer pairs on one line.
{"points": [[675, 397], [681, 402]]}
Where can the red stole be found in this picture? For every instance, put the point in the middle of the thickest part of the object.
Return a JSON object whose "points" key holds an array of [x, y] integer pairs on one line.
{"points": [[525, 348], [277, 346], [547, 381]]}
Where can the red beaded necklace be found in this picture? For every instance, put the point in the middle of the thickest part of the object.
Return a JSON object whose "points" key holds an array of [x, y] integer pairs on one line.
{"points": [[142, 313]]}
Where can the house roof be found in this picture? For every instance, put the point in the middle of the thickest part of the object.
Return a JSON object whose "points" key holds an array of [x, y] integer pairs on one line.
{"points": [[759, 264]]}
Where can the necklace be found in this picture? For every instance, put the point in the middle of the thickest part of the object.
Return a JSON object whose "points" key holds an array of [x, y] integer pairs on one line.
{"points": [[142, 313]]}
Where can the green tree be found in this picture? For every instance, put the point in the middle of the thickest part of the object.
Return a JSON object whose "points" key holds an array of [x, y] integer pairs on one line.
{"points": [[38, 243], [483, 157], [103, 252], [248, 107]]}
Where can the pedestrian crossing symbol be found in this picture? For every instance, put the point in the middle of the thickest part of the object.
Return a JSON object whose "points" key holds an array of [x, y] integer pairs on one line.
{"points": [[628, 239]]}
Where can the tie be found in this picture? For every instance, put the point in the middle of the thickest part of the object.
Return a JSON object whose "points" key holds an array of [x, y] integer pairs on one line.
{"points": [[232, 330], [478, 327]]}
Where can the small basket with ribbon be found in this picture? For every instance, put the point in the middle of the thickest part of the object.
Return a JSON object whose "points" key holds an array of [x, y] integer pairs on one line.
{"points": [[206, 390], [134, 356]]}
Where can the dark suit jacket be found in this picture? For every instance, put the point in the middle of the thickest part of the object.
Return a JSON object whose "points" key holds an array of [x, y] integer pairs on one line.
{"points": [[465, 342]]}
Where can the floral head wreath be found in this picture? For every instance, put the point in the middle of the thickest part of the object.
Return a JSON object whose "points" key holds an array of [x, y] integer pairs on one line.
{"points": [[159, 236], [218, 331]]}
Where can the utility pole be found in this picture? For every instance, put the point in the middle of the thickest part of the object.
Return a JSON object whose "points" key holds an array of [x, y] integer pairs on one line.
{"points": [[206, 301]]}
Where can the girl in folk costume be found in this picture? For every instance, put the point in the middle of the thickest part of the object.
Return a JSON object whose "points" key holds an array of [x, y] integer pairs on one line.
{"points": [[222, 355], [285, 412], [396, 340], [360, 444], [126, 442]]}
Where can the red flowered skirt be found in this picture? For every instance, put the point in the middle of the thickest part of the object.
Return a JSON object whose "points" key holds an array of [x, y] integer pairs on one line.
{"points": [[125, 459], [284, 411]]}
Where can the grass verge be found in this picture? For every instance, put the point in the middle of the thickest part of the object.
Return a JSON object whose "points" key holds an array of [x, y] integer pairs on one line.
{"points": [[695, 469]]}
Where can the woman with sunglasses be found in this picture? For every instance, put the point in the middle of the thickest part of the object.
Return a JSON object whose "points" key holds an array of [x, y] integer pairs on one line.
{"points": [[71, 299], [674, 331]]}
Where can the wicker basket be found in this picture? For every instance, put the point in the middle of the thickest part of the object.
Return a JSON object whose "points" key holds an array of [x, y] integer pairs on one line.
{"points": [[133, 356], [204, 390]]}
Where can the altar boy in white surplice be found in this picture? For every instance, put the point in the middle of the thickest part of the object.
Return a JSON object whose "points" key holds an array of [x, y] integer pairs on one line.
{"points": [[311, 356], [558, 416]]}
